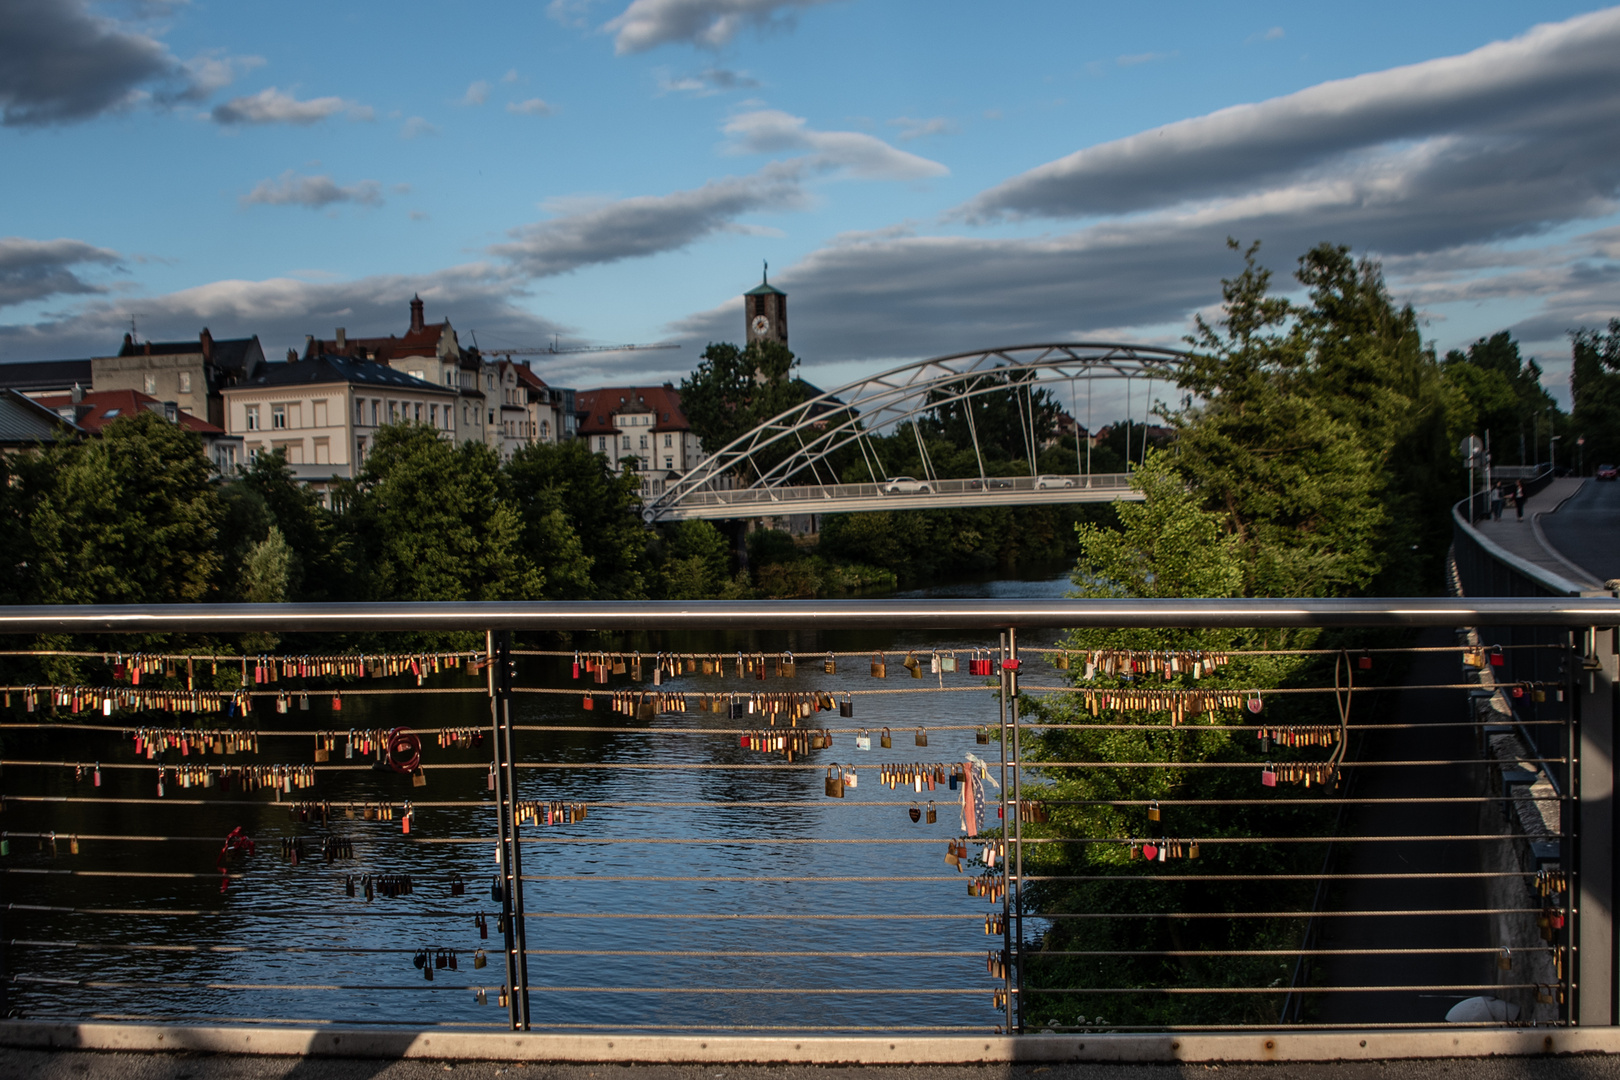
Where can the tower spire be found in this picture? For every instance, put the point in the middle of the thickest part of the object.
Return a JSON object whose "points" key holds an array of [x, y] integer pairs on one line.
{"points": [[765, 277]]}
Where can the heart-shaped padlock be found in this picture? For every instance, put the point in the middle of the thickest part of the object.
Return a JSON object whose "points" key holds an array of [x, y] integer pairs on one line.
{"points": [[915, 813]]}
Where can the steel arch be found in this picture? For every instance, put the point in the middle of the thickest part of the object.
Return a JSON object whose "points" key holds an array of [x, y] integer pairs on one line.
{"points": [[833, 420]]}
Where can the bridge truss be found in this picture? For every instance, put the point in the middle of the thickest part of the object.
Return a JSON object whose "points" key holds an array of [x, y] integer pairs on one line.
{"points": [[781, 466]]}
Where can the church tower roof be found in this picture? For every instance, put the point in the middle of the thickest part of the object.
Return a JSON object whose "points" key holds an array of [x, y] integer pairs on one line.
{"points": [[765, 288]]}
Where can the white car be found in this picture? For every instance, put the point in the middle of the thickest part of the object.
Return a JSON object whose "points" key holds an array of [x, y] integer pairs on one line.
{"points": [[1052, 480], [905, 485]]}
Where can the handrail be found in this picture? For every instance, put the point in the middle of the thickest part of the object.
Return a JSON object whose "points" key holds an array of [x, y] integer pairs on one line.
{"points": [[1571, 611]]}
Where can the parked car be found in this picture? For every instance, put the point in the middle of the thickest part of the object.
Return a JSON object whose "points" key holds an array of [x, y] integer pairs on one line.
{"points": [[1052, 480], [1608, 472], [994, 483], [905, 485]]}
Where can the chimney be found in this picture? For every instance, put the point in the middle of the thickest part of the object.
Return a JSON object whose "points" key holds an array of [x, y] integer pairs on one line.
{"points": [[129, 342], [78, 393], [207, 340], [342, 340], [292, 355], [417, 321]]}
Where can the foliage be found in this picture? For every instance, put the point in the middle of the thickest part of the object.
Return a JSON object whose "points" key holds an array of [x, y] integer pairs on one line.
{"points": [[1595, 387], [433, 522], [697, 562], [581, 522], [733, 390], [128, 518]]}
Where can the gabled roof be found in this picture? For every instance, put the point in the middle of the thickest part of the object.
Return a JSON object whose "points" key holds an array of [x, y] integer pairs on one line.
{"points": [[98, 408], [596, 407], [339, 369], [24, 421], [39, 375], [423, 342]]}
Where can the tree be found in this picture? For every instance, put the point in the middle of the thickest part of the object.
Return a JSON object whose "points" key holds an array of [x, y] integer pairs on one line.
{"points": [[581, 521], [734, 390], [697, 562], [1294, 483], [1494, 391], [323, 566], [130, 517], [435, 522], [1594, 382]]}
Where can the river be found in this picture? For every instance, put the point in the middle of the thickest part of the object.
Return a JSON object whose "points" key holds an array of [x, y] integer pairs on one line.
{"points": [[609, 948]]}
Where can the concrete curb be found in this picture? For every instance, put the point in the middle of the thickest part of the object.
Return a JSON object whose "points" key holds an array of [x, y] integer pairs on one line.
{"points": [[949, 1050]]}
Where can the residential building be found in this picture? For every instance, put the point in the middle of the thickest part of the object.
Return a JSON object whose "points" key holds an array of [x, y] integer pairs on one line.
{"points": [[641, 428], [552, 416], [432, 353], [323, 413], [36, 377], [25, 424], [192, 374], [92, 410]]}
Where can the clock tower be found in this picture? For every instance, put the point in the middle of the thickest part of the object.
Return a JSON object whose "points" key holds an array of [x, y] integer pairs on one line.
{"points": [[765, 307]]}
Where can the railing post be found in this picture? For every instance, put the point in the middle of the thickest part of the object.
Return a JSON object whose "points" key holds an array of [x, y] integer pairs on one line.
{"points": [[1593, 968], [1014, 869], [499, 657], [1006, 896]]}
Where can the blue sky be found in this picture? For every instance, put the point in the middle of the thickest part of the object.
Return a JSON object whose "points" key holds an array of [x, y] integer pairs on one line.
{"points": [[923, 177]]}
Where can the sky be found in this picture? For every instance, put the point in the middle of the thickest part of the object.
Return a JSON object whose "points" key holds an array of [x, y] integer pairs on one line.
{"points": [[922, 177]]}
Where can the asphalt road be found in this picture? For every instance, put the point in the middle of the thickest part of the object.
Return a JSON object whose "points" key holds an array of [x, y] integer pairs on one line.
{"points": [[1586, 529], [78, 1065]]}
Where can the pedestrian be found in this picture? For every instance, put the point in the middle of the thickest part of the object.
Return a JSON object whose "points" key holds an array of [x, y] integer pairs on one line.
{"points": [[1498, 500], [1518, 498]]}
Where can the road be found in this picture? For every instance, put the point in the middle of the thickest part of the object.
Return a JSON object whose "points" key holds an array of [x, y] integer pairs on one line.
{"points": [[1585, 529]]}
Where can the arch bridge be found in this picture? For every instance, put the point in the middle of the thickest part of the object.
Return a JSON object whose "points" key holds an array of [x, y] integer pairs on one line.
{"points": [[783, 466]]}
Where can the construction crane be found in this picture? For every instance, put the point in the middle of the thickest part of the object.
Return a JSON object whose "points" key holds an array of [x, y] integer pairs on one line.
{"points": [[555, 350]]}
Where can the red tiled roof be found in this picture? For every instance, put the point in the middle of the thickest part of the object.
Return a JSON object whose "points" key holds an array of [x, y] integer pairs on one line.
{"points": [[527, 377], [102, 407], [596, 407]]}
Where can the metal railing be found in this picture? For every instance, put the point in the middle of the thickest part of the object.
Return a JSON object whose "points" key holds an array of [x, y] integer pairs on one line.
{"points": [[670, 850]]}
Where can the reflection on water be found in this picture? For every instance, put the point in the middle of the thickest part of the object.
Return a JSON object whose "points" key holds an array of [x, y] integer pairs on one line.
{"points": [[287, 942]]}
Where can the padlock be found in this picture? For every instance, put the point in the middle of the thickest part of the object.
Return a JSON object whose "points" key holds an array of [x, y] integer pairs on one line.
{"points": [[787, 667], [880, 666], [495, 889], [1061, 661], [886, 740], [933, 812], [1268, 777], [1364, 662], [418, 777], [947, 663], [830, 664], [1505, 961], [1497, 659], [915, 813], [1153, 812], [922, 737], [834, 782], [481, 998], [982, 736], [847, 706], [479, 959], [863, 740]]}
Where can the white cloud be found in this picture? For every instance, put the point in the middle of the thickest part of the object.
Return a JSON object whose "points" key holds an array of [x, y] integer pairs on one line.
{"points": [[770, 131], [531, 107], [477, 93], [707, 83], [272, 106], [415, 127], [1133, 59], [1274, 34], [313, 192], [647, 24], [917, 129], [208, 74], [511, 76], [1552, 88]]}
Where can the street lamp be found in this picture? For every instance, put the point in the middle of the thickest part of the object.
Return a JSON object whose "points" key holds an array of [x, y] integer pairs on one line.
{"points": [[1552, 453]]}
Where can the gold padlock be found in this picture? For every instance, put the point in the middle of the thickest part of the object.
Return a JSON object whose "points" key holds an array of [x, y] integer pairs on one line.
{"points": [[880, 667], [834, 782], [887, 740]]}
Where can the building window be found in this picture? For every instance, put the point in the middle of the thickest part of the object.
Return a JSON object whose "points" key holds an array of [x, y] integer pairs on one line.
{"points": [[627, 442], [359, 412], [601, 444], [669, 463], [185, 382], [417, 374], [360, 449], [644, 442], [376, 411], [418, 412], [492, 418], [433, 415], [278, 417], [252, 417], [669, 440], [150, 384]]}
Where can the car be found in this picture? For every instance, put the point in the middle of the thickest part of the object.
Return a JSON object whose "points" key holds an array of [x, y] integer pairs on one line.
{"points": [[1052, 480], [994, 483], [905, 485], [1608, 472]]}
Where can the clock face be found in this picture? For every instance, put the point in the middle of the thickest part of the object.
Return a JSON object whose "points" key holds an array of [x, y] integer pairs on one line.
{"points": [[761, 324]]}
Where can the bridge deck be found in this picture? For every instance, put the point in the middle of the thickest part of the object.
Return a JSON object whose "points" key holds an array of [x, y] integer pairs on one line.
{"points": [[939, 495]]}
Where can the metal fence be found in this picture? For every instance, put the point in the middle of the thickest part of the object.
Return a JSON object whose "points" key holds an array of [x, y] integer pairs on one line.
{"points": [[949, 831]]}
